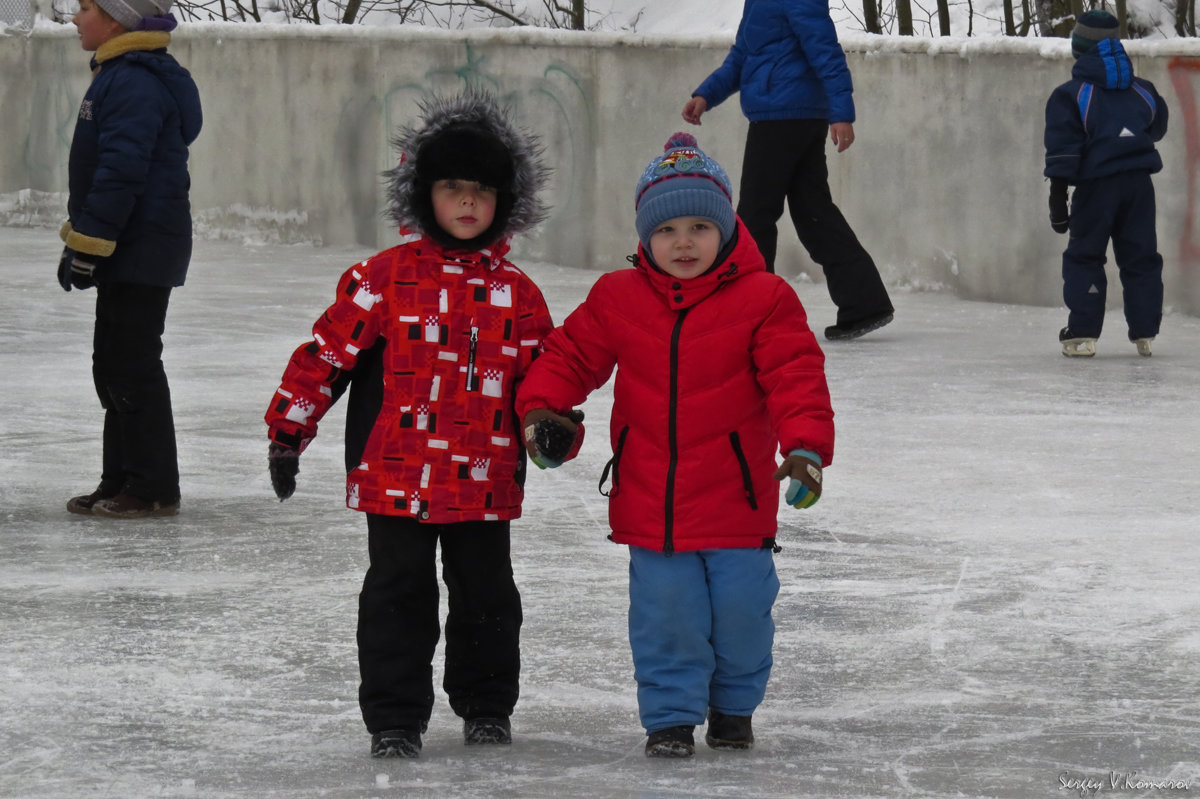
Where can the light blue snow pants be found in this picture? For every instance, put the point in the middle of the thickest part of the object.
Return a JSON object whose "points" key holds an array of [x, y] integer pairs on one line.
{"points": [[701, 632]]}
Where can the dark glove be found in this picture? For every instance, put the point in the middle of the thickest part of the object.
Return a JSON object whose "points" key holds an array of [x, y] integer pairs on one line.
{"points": [[804, 470], [285, 465], [75, 270], [551, 439], [1058, 205]]}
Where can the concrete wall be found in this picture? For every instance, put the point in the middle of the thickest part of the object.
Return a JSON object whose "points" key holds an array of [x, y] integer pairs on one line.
{"points": [[943, 184]]}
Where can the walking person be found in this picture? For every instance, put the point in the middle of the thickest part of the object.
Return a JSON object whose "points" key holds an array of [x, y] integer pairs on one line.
{"points": [[795, 87]]}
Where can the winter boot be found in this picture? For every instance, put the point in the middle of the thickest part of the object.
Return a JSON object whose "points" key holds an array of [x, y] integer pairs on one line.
{"points": [[84, 504], [1074, 346], [487, 730], [671, 742], [1142, 344], [728, 732], [396, 743], [859, 328], [127, 506]]}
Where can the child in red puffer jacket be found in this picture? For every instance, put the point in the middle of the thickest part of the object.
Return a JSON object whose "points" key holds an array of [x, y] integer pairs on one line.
{"points": [[717, 371]]}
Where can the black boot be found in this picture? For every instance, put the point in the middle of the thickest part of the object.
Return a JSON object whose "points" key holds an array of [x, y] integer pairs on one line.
{"points": [[728, 732], [396, 743], [487, 730], [671, 742]]}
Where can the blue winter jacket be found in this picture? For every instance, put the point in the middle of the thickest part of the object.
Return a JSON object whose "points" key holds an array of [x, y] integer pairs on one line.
{"points": [[1104, 120], [128, 173], [787, 64]]}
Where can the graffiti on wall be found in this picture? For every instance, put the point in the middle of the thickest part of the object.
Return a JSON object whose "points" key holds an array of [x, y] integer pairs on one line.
{"points": [[549, 100]]}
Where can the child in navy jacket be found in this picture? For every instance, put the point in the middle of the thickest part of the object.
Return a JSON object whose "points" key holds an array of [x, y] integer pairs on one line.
{"points": [[1101, 127], [129, 234]]}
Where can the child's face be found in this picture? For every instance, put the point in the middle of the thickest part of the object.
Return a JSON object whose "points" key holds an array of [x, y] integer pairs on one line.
{"points": [[463, 208], [95, 26], [685, 246]]}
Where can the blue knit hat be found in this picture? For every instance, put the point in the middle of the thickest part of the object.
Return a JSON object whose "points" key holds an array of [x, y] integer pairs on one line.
{"points": [[1091, 28], [683, 181]]}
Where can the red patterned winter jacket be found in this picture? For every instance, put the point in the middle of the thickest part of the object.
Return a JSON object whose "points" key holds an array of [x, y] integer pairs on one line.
{"points": [[461, 331], [714, 375]]}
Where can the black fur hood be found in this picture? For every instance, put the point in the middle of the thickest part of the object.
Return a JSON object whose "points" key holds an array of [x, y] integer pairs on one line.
{"points": [[408, 193]]}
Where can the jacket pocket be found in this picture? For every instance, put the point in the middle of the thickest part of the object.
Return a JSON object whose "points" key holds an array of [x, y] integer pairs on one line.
{"points": [[735, 441], [613, 465]]}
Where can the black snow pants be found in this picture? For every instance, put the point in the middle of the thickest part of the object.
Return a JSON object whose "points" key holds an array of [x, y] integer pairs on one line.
{"points": [[398, 621], [139, 429], [785, 159], [1120, 207]]}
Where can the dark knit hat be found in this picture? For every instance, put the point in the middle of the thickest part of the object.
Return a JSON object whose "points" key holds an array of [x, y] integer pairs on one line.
{"points": [[467, 137], [1091, 28], [130, 12], [683, 181]]}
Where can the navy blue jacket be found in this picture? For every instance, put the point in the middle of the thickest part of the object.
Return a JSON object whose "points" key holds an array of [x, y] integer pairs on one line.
{"points": [[127, 172], [1104, 120], [787, 64]]}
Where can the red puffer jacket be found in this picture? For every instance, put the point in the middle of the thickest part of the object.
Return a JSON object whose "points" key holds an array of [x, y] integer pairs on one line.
{"points": [[461, 331], [714, 375]]}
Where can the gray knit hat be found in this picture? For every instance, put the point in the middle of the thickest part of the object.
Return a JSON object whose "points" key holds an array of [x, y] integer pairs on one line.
{"points": [[1093, 27], [130, 12], [683, 181]]}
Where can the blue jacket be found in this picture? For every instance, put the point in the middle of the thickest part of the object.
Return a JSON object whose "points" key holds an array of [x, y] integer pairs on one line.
{"points": [[1104, 120], [787, 64], [127, 173]]}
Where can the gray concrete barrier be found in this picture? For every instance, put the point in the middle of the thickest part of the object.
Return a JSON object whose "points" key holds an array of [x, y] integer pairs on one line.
{"points": [[943, 184]]}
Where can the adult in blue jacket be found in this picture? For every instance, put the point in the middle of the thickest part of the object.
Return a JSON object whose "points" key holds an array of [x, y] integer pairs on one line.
{"points": [[794, 83], [129, 234], [1101, 128]]}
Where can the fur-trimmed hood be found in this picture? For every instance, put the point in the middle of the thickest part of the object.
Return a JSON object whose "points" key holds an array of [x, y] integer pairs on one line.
{"points": [[408, 194]]}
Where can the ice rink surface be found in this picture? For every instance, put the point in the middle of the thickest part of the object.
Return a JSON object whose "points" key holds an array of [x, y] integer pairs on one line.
{"points": [[996, 596]]}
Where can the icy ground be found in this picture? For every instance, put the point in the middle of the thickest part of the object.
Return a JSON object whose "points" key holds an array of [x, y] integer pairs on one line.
{"points": [[996, 596]]}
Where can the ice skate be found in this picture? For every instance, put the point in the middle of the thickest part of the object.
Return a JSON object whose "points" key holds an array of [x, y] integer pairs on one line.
{"points": [[1143, 346], [859, 328], [671, 742], [1076, 346]]}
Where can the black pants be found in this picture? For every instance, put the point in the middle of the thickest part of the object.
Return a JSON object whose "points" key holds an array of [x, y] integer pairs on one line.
{"points": [[785, 159], [1120, 207], [398, 619], [139, 430]]}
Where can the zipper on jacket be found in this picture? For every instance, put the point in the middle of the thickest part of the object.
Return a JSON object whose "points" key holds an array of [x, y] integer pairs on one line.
{"points": [[672, 439], [471, 356], [614, 464], [747, 482]]}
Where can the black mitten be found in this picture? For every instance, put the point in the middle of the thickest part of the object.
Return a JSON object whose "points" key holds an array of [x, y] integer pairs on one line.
{"points": [[1058, 205], [76, 270], [284, 463], [551, 439]]}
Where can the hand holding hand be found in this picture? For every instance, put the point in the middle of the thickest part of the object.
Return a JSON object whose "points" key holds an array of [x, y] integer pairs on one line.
{"points": [[552, 439], [803, 468], [284, 463], [694, 109]]}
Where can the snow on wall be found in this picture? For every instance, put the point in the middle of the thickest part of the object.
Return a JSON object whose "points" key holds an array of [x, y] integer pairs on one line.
{"points": [[943, 184]]}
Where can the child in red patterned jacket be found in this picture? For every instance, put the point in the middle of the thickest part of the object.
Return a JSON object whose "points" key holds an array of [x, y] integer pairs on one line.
{"points": [[440, 330]]}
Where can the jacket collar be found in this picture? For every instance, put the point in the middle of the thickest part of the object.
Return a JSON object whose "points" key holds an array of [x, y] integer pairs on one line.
{"points": [[679, 294], [486, 257], [131, 42]]}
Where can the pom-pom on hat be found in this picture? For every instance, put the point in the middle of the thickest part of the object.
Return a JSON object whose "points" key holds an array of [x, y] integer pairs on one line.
{"points": [[130, 12], [1091, 28], [683, 181]]}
